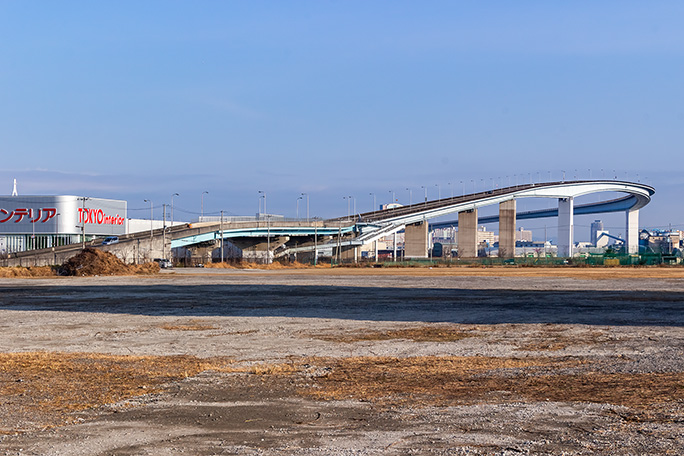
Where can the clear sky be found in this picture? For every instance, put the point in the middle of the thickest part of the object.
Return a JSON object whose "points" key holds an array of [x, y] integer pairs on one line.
{"points": [[142, 99]]}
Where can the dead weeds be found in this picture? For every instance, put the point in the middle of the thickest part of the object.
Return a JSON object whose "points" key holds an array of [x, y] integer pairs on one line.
{"points": [[54, 385], [419, 334], [36, 271], [47, 389], [192, 325], [272, 266], [449, 381]]}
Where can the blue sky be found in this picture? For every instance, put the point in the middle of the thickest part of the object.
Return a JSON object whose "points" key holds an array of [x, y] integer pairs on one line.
{"points": [[140, 100]]}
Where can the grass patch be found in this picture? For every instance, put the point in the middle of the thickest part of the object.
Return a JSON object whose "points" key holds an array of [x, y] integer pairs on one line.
{"points": [[192, 325], [419, 334], [47, 388], [450, 381]]}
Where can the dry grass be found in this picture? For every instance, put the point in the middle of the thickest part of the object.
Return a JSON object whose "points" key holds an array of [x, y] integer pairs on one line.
{"points": [[273, 266], [192, 325], [37, 271], [448, 381], [51, 386], [599, 273], [48, 389], [558, 338], [419, 334]]}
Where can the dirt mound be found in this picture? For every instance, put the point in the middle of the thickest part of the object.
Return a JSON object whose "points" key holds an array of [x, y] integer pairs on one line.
{"points": [[92, 262]]}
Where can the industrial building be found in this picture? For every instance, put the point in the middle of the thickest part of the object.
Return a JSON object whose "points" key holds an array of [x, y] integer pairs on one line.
{"points": [[38, 222]]}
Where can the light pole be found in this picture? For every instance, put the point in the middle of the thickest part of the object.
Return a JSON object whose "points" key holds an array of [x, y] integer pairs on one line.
{"points": [[373, 195], [297, 202], [451, 189], [307, 206], [202, 205], [393, 196], [83, 219], [439, 191], [151, 225], [410, 195], [221, 231], [175, 194], [56, 230], [348, 198], [424, 187], [263, 195], [463, 186]]}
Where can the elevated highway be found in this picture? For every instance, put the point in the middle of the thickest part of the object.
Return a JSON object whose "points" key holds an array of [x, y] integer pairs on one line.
{"points": [[266, 239]]}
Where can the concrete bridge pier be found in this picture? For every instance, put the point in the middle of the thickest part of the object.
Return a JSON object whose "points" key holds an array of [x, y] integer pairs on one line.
{"points": [[507, 229], [201, 253], [416, 238], [632, 232], [260, 251], [566, 225], [467, 234], [346, 254]]}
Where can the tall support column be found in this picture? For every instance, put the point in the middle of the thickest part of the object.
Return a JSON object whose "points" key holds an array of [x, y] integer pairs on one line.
{"points": [[394, 246], [632, 230], [416, 240], [565, 226], [507, 229], [467, 234]]}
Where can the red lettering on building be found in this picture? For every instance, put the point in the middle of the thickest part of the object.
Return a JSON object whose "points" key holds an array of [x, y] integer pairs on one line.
{"points": [[42, 215]]}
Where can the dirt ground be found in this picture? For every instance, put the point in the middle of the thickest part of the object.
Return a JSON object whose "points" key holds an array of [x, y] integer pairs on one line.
{"points": [[496, 361]]}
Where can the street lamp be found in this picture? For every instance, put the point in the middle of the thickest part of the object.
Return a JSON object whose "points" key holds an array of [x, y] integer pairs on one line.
{"points": [[202, 205], [175, 194], [348, 198], [298, 206], [439, 191], [373, 195], [307, 206], [263, 195], [424, 187], [83, 219], [151, 225], [410, 196]]}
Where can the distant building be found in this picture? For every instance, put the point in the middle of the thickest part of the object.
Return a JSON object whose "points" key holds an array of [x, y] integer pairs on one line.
{"points": [[523, 235], [596, 229]]}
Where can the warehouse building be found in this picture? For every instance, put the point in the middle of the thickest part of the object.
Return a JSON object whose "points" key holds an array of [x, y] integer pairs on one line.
{"points": [[37, 222]]}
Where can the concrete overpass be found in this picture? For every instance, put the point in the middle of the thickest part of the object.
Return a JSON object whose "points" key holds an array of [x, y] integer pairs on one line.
{"points": [[346, 234], [271, 238]]}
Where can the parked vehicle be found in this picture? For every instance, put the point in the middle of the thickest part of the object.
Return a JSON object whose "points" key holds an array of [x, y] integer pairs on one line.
{"points": [[163, 263], [109, 240]]}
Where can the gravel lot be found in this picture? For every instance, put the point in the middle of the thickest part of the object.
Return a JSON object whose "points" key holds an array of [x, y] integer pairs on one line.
{"points": [[618, 326]]}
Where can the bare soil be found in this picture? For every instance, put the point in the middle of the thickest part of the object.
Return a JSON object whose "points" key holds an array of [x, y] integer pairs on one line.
{"points": [[345, 361]]}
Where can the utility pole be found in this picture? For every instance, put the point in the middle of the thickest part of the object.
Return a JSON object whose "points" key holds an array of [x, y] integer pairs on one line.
{"points": [[83, 220], [164, 231], [151, 226], [315, 242], [268, 235]]}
